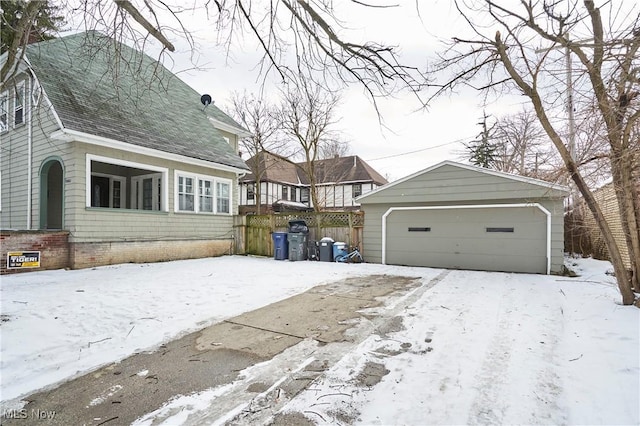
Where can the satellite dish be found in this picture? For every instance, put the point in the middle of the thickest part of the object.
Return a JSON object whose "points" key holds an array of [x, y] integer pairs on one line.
{"points": [[205, 99]]}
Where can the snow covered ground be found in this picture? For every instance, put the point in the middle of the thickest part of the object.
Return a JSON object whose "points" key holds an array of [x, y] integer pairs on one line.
{"points": [[476, 348]]}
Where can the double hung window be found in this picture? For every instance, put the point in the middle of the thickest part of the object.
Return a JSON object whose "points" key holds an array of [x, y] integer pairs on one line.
{"points": [[18, 104], [202, 194], [4, 111]]}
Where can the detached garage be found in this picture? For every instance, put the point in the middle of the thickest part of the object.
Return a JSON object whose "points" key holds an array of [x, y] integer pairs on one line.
{"points": [[457, 216]]}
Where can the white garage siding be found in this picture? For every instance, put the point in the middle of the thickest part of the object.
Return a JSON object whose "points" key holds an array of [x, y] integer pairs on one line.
{"points": [[508, 237]]}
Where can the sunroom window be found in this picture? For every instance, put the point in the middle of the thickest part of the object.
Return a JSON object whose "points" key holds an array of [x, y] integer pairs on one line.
{"points": [[205, 192], [120, 184], [185, 194], [223, 200], [202, 194]]}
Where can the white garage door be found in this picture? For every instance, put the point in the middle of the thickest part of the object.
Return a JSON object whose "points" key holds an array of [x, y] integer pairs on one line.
{"points": [[512, 239]]}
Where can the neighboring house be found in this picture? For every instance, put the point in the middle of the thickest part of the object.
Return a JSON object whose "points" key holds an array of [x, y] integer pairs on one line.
{"points": [[284, 186], [104, 142], [605, 196], [458, 216]]}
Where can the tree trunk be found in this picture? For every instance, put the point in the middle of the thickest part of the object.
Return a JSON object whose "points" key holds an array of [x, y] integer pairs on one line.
{"points": [[622, 275], [257, 195]]}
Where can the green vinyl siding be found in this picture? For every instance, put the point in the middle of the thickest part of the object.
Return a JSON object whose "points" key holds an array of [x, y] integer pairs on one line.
{"points": [[106, 224], [453, 185], [450, 183]]}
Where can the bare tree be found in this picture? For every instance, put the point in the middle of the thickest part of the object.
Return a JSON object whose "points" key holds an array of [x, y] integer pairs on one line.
{"points": [[296, 37], [334, 148], [308, 117], [506, 60], [522, 145], [262, 120]]}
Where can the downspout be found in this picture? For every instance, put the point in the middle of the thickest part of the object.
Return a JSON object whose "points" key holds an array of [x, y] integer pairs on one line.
{"points": [[29, 147]]}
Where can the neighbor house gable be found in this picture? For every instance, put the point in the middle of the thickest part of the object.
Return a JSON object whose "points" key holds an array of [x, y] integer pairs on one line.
{"points": [[449, 181], [274, 168]]}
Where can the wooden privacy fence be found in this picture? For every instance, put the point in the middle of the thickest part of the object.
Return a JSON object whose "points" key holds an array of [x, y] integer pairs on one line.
{"points": [[254, 232]]}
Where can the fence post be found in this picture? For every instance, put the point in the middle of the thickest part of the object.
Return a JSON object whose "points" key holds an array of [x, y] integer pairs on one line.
{"points": [[240, 234]]}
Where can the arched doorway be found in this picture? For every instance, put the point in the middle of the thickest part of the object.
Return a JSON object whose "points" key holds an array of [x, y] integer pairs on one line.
{"points": [[51, 194]]}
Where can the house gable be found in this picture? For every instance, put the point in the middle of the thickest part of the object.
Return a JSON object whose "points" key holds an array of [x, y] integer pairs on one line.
{"points": [[453, 182], [134, 100]]}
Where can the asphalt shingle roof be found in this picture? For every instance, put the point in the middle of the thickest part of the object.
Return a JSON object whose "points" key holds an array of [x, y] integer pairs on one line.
{"points": [[331, 170], [104, 88]]}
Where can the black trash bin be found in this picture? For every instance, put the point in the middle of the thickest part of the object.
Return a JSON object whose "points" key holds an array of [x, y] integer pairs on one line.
{"points": [[326, 249], [298, 237]]}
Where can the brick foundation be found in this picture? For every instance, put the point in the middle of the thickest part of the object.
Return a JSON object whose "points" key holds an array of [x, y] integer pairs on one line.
{"points": [[56, 252], [87, 255], [52, 245]]}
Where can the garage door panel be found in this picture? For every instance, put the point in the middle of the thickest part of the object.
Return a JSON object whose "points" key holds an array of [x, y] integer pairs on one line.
{"points": [[466, 246], [459, 239], [473, 261]]}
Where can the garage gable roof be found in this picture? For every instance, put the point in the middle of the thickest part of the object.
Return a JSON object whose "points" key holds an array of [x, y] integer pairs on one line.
{"points": [[451, 181]]}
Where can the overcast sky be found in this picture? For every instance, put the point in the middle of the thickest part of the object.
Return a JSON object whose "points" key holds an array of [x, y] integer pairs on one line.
{"points": [[410, 138]]}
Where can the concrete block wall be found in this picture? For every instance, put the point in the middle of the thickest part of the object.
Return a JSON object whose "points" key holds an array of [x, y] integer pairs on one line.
{"points": [[52, 245]]}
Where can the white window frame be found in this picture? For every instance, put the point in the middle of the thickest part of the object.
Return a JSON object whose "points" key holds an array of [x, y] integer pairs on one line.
{"points": [[305, 195], [212, 196], [4, 111], [251, 192], [137, 197], [117, 162], [353, 189], [196, 185], [123, 188], [19, 89], [217, 195]]}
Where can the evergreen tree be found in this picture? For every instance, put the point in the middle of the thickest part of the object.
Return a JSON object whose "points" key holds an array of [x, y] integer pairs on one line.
{"points": [[482, 152], [41, 26]]}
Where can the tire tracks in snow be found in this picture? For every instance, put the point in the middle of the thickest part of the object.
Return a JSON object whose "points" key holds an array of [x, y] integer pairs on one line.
{"points": [[517, 381]]}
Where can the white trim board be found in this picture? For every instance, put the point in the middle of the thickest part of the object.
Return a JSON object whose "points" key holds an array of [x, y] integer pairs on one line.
{"points": [[518, 178], [73, 135], [476, 206]]}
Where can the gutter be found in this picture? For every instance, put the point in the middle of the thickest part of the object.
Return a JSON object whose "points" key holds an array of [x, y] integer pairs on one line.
{"points": [[74, 135], [477, 206]]}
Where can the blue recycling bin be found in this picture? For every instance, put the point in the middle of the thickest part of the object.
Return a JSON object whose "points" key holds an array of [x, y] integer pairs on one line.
{"points": [[339, 249], [280, 246]]}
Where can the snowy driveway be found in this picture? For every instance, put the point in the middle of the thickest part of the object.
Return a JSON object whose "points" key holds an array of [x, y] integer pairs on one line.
{"points": [[476, 348]]}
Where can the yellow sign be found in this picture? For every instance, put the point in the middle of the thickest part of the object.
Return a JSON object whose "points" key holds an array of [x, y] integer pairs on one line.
{"points": [[23, 259]]}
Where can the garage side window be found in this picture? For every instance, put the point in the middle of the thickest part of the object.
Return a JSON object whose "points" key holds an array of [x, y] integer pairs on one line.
{"points": [[499, 229]]}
